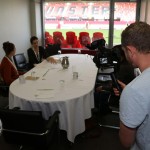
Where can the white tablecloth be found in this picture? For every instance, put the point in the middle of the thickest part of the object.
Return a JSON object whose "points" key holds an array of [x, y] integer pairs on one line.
{"points": [[74, 98]]}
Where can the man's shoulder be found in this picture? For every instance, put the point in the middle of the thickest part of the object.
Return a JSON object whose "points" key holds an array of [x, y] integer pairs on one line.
{"points": [[141, 80], [29, 49]]}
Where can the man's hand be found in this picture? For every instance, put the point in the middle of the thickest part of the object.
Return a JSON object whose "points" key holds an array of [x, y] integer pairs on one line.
{"points": [[52, 60], [99, 89], [117, 93]]}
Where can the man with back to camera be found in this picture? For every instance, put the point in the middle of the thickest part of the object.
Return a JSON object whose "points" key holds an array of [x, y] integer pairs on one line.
{"points": [[135, 98]]}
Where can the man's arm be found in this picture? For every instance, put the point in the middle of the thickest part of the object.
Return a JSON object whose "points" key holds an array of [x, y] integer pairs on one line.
{"points": [[127, 135]]}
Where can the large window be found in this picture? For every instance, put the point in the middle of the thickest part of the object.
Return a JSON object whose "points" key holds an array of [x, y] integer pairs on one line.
{"points": [[124, 14], [90, 16]]}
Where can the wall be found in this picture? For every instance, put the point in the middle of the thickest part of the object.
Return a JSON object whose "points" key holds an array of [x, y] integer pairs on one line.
{"points": [[145, 11], [35, 19], [15, 24], [19, 20]]}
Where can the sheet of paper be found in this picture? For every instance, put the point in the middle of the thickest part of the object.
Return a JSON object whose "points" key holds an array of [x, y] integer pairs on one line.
{"points": [[44, 93]]}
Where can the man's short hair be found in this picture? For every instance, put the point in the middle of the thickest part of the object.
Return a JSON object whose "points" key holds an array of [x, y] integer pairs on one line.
{"points": [[138, 35], [33, 38]]}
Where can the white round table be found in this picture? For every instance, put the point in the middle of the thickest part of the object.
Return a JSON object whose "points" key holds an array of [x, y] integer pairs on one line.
{"points": [[55, 89]]}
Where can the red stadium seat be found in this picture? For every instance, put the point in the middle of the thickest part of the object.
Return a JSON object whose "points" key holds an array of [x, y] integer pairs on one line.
{"points": [[84, 38], [57, 33], [58, 37], [97, 35], [71, 40], [48, 39], [70, 35]]}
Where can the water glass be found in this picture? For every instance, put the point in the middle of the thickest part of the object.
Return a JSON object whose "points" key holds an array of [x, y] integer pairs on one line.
{"points": [[75, 75], [74, 72], [21, 79], [33, 75], [61, 83]]}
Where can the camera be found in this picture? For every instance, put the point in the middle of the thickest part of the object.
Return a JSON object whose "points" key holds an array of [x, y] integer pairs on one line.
{"points": [[107, 61], [104, 58]]}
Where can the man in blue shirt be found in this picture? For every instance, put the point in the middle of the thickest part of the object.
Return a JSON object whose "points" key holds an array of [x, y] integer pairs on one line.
{"points": [[135, 98]]}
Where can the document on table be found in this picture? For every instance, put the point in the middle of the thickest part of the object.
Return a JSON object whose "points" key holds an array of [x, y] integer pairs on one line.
{"points": [[44, 93]]}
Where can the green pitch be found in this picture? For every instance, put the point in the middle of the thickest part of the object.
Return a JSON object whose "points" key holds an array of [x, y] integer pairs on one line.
{"points": [[116, 39]]}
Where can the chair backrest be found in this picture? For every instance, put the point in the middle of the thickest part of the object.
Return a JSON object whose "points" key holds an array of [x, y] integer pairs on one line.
{"points": [[57, 37], [20, 61], [29, 128], [57, 33], [4, 89], [48, 39], [23, 121], [70, 37], [97, 36]]}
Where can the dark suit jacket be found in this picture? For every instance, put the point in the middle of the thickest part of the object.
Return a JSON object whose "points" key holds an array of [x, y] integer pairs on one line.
{"points": [[52, 49], [8, 71], [32, 57]]}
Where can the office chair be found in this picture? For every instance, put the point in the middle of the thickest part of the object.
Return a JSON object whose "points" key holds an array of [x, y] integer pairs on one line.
{"points": [[28, 128], [21, 62], [4, 89], [4, 92]]}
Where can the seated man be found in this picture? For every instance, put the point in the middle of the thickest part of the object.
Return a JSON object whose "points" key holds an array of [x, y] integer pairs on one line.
{"points": [[36, 53], [52, 49]]}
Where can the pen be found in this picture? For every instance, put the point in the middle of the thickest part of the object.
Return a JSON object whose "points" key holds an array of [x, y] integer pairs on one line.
{"points": [[45, 73], [44, 89]]}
